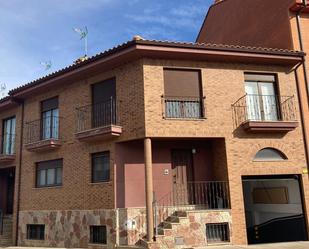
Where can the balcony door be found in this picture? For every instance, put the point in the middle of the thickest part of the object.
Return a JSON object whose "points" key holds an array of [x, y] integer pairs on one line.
{"points": [[50, 119], [8, 140], [262, 101], [104, 103]]}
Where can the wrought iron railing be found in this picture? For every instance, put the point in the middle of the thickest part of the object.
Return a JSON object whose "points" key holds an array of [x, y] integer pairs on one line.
{"points": [[43, 129], [7, 144], [183, 107], [1, 222], [97, 115], [253, 107], [208, 195]]}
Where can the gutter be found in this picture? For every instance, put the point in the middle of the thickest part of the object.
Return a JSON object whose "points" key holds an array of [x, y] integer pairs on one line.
{"points": [[21, 102]]}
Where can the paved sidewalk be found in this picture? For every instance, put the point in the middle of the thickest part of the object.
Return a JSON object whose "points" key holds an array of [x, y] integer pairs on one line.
{"points": [[288, 245]]}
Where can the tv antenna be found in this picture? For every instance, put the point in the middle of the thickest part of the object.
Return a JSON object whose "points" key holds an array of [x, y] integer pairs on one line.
{"points": [[83, 36], [46, 64], [2, 90]]}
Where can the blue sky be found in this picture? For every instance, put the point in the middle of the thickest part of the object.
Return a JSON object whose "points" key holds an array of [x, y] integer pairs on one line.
{"points": [[35, 31]]}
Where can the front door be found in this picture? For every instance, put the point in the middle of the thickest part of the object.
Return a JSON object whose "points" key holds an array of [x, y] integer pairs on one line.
{"points": [[182, 170]]}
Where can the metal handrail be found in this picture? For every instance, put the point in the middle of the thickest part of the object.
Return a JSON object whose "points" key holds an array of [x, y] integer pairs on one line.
{"points": [[1, 222], [183, 107], [258, 107], [205, 195]]}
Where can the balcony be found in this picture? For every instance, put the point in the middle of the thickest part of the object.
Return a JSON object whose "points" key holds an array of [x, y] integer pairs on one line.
{"points": [[43, 134], [183, 107], [98, 121], [7, 148], [265, 113]]}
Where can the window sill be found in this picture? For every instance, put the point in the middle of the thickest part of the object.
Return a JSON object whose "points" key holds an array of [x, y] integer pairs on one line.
{"points": [[100, 183], [49, 187], [185, 119]]}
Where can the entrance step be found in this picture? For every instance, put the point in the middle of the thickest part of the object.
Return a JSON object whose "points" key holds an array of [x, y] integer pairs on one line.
{"points": [[6, 238]]}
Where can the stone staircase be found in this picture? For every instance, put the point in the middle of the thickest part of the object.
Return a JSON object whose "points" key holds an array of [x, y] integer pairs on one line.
{"points": [[177, 232], [6, 238]]}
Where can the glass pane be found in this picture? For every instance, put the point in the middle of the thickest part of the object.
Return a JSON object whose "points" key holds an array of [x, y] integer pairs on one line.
{"points": [[46, 125], [101, 168], [41, 177], [51, 176], [252, 99], [270, 106], [269, 155], [59, 176], [8, 142], [55, 124]]}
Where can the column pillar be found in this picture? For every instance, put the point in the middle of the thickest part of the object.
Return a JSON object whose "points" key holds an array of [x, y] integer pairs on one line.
{"points": [[149, 187]]}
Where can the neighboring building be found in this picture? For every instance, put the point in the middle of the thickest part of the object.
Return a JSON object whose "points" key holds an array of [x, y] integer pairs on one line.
{"points": [[203, 142]]}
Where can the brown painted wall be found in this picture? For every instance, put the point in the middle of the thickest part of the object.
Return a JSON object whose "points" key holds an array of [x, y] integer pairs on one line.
{"points": [[130, 168], [257, 23]]}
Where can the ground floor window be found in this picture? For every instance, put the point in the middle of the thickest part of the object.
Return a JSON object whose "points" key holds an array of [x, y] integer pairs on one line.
{"points": [[35, 232], [98, 234], [49, 173], [217, 232]]}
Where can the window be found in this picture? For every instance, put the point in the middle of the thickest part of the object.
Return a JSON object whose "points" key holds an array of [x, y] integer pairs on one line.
{"points": [[217, 232], [182, 94], [98, 234], [269, 154], [8, 139], [263, 104], [49, 173], [50, 119], [35, 232], [100, 167]]}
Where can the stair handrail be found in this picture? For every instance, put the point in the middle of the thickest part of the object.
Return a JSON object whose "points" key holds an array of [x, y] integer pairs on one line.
{"points": [[1, 221]]}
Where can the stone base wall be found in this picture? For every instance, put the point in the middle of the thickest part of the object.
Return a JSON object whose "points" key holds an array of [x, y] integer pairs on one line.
{"points": [[70, 228]]}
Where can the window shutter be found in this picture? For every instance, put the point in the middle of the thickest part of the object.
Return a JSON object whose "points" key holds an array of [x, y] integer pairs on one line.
{"points": [[182, 83]]}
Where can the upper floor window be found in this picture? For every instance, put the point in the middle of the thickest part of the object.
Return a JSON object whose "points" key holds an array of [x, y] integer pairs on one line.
{"points": [[104, 103], [182, 94], [8, 136], [49, 173], [50, 118], [100, 167], [263, 102]]}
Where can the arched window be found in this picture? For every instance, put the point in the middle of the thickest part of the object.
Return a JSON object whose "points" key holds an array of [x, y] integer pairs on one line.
{"points": [[269, 154]]}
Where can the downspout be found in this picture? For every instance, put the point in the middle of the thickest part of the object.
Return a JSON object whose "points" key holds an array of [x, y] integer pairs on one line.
{"points": [[19, 168], [301, 44]]}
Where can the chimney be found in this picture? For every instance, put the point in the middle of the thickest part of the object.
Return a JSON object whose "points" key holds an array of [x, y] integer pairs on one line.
{"points": [[218, 1]]}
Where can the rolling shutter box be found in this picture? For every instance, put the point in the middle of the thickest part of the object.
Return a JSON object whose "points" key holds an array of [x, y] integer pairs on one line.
{"points": [[49, 104], [182, 83]]}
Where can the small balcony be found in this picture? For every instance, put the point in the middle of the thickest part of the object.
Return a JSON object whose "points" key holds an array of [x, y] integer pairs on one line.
{"points": [[98, 121], [7, 154], [265, 113], [189, 108], [43, 134]]}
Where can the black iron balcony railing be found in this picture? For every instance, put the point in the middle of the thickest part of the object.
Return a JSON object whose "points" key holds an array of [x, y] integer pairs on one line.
{"points": [[43, 129], [7, 144], [102, 114], [210, 195], [252, 107], [183, 107]]}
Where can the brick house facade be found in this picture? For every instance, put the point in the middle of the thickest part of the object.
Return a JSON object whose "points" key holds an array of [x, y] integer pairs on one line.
{"points": [[195, 153]]}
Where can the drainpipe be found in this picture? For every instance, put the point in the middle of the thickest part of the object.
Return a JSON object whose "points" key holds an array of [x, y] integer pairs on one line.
{"points": [[301, 44], [21, 102]]}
